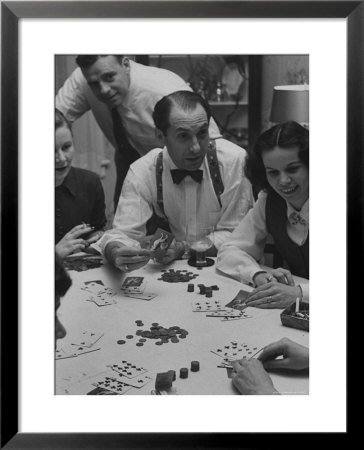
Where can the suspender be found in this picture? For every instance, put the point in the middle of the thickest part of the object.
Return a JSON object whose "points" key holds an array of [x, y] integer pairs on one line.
{"points": [[158, 177], [214, 174], [215, 171]]}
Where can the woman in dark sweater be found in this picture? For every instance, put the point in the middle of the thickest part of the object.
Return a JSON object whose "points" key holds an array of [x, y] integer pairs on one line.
{"points": [[79, 197]]}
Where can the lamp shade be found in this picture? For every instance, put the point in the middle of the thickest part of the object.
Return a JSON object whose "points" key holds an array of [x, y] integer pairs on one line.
{"points": [[290, 102]]}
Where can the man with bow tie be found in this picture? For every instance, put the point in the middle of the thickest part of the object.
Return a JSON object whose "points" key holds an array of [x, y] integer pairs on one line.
{"points": [[193, 182]]}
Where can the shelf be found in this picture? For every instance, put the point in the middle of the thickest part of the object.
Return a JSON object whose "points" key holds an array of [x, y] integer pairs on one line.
{"points": [[228, 103]]}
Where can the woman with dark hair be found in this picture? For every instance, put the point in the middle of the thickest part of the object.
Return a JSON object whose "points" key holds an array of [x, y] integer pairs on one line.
{"points": [[279, 167], [79, 197]]}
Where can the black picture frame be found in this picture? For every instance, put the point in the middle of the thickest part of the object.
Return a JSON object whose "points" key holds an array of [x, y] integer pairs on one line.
{"points": [[11, 13]]}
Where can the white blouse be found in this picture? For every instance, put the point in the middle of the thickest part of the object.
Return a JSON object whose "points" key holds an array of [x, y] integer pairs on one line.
{"points": [[239, 256]]}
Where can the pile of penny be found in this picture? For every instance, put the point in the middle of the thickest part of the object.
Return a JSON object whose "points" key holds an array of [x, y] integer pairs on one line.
{"points": [[164, 335], [177, 276]]}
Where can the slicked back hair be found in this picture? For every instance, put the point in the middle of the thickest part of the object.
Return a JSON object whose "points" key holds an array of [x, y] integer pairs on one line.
{"points": [[86, 61], [185, 100], [284, 135]]}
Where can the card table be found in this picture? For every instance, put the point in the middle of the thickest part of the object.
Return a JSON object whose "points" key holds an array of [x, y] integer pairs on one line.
{"points": [[172, 306]]}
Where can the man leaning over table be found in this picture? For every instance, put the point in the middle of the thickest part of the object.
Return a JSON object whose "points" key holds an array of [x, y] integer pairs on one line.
{"points": [[211, 190], [121, 94]]}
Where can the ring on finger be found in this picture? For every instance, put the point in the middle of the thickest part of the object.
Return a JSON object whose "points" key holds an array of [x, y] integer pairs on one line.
{"points": [[126, 268], [269, 299]]}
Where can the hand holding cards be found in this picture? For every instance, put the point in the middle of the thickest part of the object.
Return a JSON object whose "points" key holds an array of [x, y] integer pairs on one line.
{"points": [[160, 243], [127, 258]]}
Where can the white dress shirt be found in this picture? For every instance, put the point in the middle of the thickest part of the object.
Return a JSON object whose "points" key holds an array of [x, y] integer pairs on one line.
{"points": [[147, 86], [239, 255], [186, 204]]}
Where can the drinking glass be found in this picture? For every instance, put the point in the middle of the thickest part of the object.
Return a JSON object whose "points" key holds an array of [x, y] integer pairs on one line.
{"points": [[200, 241]]}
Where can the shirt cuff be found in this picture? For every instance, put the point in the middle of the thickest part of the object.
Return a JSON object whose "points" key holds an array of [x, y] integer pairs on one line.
{"points": [[124, 240], [305, 292]]}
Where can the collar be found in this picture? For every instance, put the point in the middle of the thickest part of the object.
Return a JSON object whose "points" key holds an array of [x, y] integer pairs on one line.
{"points": [[170, 165], [69, 182], [304, 212]]}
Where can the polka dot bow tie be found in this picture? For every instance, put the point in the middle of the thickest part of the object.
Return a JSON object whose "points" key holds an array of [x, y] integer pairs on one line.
{"points": [[296, 218], [179, 174]]}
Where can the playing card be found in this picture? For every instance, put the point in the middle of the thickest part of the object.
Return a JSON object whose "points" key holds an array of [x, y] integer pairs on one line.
{"points": [[160, 243], [238, 302], [71, 351], [136, 382], [133, 285], [229, 318], [93, 286], [63, 354], [229, 312], [207, 305], [112, 385], [87, 339], [102, 299], [127, 369], [100, 391], [233, 351], [142, 295]]}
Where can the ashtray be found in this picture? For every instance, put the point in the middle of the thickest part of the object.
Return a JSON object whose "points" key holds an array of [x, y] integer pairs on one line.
{"points": [[299, 320]]}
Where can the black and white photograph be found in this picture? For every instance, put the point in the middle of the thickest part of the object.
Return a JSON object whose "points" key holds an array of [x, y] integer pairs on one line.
{"points": [[165, 249], [182, 224]]}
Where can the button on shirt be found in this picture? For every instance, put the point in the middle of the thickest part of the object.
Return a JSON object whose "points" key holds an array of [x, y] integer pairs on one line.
{"points": [[239, 255], [147, 86], [188, 204], [80, 198]]}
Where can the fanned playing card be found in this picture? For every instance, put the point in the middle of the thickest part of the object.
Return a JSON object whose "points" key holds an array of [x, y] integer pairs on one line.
{"points": [[102, 299], [234, 350], [207, 305], [112, 385], [127, 369], [137, 382], [160, 243], [228, 312], [88, 338], [63, 354], [229, 318], [141, 296]]}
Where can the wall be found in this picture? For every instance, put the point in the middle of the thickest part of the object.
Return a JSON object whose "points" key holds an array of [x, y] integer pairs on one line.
{"points": [[281, 70]]}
